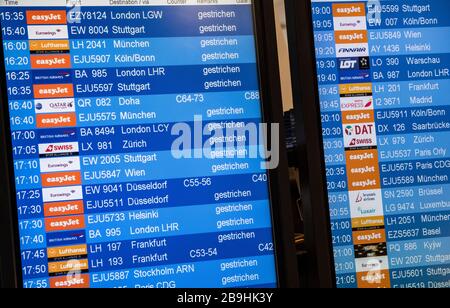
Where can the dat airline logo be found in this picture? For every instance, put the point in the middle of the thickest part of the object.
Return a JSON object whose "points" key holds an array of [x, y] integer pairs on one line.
{"points": [[360, 135]]}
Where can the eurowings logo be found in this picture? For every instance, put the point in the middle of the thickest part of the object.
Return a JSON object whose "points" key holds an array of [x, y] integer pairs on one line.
{"points": [[48, 32]]}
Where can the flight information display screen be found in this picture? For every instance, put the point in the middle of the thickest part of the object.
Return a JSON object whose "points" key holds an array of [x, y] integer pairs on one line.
{"points": [[384, 82], [112, 107]]}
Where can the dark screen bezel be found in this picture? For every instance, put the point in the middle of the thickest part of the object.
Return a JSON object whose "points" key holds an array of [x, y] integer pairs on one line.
{"points": [[267, 59], [310, 152]]}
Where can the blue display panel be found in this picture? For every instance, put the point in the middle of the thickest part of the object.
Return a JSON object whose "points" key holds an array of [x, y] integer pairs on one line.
{"points": [[99, 93], [384, 79]]}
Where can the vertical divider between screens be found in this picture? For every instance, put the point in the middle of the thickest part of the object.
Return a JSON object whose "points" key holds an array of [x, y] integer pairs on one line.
{"points": [[272, 113], [9, 256], [310, 153]]}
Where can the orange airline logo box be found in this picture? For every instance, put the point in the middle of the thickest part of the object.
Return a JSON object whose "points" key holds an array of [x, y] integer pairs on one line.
{"points": [[368, 222], [363, 171], [53, 90], [63, 208], [68, 266], [349, 9], [71, 281], [50, 61], [61, 179], [376, 279], [65, 223], [56, 120], [67, 251], [47, 17], [351, 37], [358, 116], [50, 45], [371, 236]]}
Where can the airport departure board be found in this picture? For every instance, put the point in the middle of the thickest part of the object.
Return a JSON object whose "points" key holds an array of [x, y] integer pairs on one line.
{"points": [[110, 188], [384, 82]]}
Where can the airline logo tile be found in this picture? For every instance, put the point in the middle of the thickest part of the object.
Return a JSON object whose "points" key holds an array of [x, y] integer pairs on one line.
{"points": [[65, 223], [56, 120], [61, 179], [53, 32], [355, 89], [374, 279], [52, 76], [366, 203], [352, 76], [349, 10], [58, 149], [366, 237], [56, 239], [57, 135], [368, 222], [67, 251], [350, 23], [67, 282], [59, 164], [355, 117], [351, 37], [57, 194], [63, 208], [352, 50], [67, 266], [372, 264], [62, 105], [56, 61], [46, 17], [353, 103], [361, 63], [53, 91], [360, 135], [49, 46]]}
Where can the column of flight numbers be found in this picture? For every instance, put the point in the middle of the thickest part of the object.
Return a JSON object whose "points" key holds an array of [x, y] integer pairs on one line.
{"points": [[126, 86]]}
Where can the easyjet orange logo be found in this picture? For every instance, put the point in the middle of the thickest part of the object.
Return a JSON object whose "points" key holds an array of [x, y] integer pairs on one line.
{"points": [[77, 281], [56, 120], [349, 9], [64, 223], [53, 90], [63, 208], [355, 117], [61, 179], [46, 17], [351, 37], [50, 61]]}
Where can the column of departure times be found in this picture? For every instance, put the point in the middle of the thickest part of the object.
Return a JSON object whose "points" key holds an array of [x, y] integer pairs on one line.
{"points": [[335, 159], [98, 96]]}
